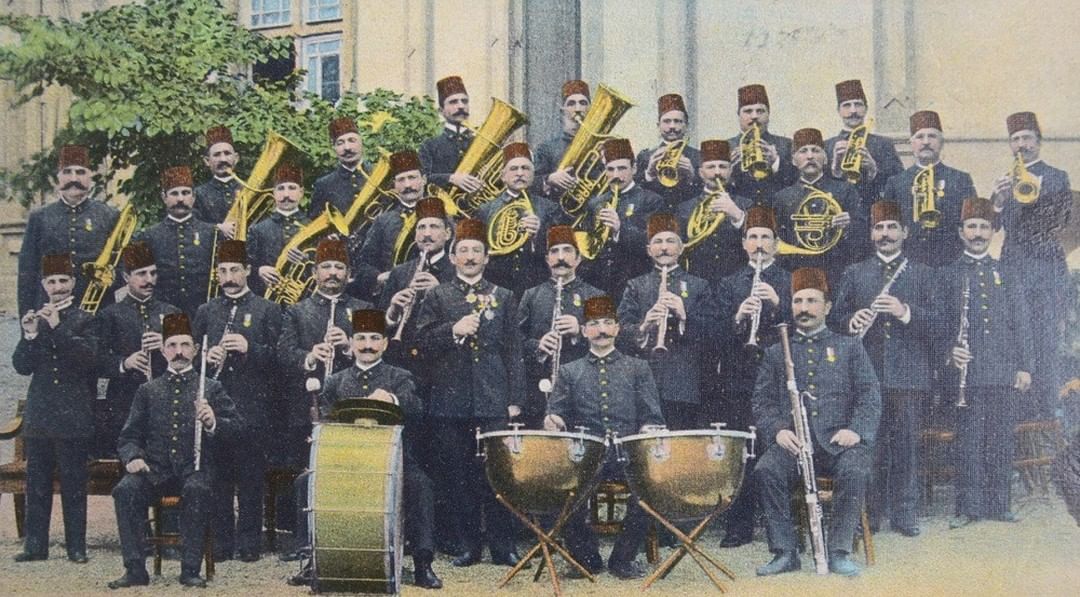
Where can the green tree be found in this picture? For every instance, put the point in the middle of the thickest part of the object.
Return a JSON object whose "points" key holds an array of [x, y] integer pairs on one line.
{"points": [[148, 79]]}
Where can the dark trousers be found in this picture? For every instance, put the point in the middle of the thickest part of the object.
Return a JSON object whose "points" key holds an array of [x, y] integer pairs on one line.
{"points": [[43, 456], [679, 416], [240, 472], [741, 515], [894, 486], [299, 456], [985, 446], [134, 495], [581, 540], [109, 419], [778, 477], [473, 503]]}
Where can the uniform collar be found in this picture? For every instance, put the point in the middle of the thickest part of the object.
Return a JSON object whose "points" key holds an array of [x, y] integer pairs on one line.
{"points": [[347, 171], [291, 214], [801, 336], [609, 357], [888, 260], [366, 368], [225, 182], [320, 297], [173, 220], [479, 285], [238, 298], [969, 258], [628, 188], [135, 301], [811, 183], [81, 205], [182, 374]]}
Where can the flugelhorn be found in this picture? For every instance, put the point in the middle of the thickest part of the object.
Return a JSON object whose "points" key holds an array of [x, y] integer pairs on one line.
{"points": [[504, 233], [851, 163], [1025, 187], [924, 195], [667, 169], [753, 155], [102, 271]]}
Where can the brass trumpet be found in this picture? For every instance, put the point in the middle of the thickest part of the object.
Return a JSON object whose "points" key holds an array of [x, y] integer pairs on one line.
{"points": [[753, 156], [851, 163], [667, 169], [1025, 187], [924, 194], [504, 233]]}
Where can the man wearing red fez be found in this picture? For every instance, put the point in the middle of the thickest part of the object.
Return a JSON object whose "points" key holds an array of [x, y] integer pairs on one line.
{"points": [[667, 313], [843, 417], [1033, 246], [937, 245], [56, 350], [267, 239], [242, 330], [713, 255], [157, 449], [993, 365], [76, 224], [214, 197], [672, 120], [776, 150], [182, 244], [468, 328], [384, 234], [340, 185], [607, 392], [886, 300], [440, 155], [879, 158], [791, 204], [576, 100]]}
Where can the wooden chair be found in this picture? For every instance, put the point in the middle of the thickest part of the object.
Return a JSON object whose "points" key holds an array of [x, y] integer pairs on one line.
{"points": [[607, 507], [825, 495], [1037, 444], [935, 463], [160, 538]]}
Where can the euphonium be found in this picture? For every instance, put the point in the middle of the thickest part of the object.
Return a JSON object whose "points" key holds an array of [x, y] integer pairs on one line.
{"points": [[753, 156], [102, 271], [504, 233], [851, 163], [924, 194], [296, 280], [592, 242], [812, 222], [1025, 187], [703, 222], [667, 169], [582, 156], [365, 206]]}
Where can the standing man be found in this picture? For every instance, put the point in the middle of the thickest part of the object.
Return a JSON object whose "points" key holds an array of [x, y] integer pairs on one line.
{"points": [[606, 392], [58, 352], [182, 245], [544, 336], [994, 363], [672, 122], [339, 186], [128, 336], [382, 237], [843, 422], [440, 155], [77, 224], [478, 381], [268, 238], [896, 326], [575, 104], [1033, 249], [668, 314], [157, 448], [879, 159], [243, 330], [215, 197], [932, 244], [777, 171]]}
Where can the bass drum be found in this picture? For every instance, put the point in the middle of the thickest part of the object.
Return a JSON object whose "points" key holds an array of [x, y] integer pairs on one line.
{"points": [[355, 493]]}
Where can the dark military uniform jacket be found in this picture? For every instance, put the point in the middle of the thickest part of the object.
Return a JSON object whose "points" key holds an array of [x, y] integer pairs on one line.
{"points": [[525, 267], [303, 326], [160, 428], [689, 184], [266, 240], [483, 375], [184, 254], [761, 191], [547, 155], [624, 257], [378, 248], [720, 253], [740, 365], [853, 245], [355, 382], [213, 199], [63, 382], [610, 394], [999, 335], [440, 155], [338, 188], [900, 352], [678, 370], [1032, 230], [938, 246], [534, 318], [247, 377], [883, 150], [118, 331], [834, 369], [408, 354], [80, 231]]}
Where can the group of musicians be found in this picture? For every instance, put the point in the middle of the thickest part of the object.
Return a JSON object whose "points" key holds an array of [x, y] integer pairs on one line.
{"points": [[654, 302]]}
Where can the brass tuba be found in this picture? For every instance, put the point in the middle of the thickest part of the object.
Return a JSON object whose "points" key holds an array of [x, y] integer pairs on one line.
{"points": [[590, 243], [504, 233], [924, 194], [753, 156], [102, 271], [296, 279], [1025, 187], [851, 163], [583, 153], [812, 224], [667, 168], [366, 205]]}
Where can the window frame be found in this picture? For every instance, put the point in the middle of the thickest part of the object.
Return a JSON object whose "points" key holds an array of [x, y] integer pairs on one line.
{"points": [[304, 56]]}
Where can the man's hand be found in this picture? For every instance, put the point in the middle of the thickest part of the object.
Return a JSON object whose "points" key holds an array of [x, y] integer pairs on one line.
{"points": [[841, 220], [887, 303], [674, 303], [765, 292], [655, 316], [137, 361], [1002, 190], [296, 255], [216, 355], [151, 341], [1022, 381], [838, 157], [530, 224], [685, 165], [845, 438], [466, 182], [322, 352], [654, 159], [748, 308], [787, 440], [336, 336], [204, 414], [567, 325], [860, 320], [228, 229], [50, 315], [423, 282], [549, 342], [382, 396], [382, 277], [960, 356], [136, 466], [869, 165], [722, 203], [467, 326], [562, 179], [235, 343], [610, 218], [29, 323], [554, 423], [513, 411], [269, 275], [402, 299]]}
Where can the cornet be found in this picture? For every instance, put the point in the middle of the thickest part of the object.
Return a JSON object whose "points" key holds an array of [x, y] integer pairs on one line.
{"points": [[851, 163], [1025, 187], [924, 194], [667, 168], [753, 156]]}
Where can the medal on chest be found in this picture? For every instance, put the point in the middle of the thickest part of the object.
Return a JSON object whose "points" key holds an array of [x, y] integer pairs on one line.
{"points": [[830, 354], [89, 225], [247, 320], [196, 242], [997, 278]]}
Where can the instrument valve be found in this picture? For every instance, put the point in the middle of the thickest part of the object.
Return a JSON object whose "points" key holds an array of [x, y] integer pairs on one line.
{"points": [[513, 426], [581, 429], [719, 426], [479, 451]]}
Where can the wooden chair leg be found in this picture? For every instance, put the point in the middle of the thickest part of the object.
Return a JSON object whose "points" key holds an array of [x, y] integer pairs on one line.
{"points": [[20, 514], [270, 516], [868, 538], [208, 552], [156, 525], [652, 545]]}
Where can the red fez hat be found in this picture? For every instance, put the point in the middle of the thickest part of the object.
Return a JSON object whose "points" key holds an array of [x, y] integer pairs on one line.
{"points": [[849, 90], [288, 172], [925, 119], [56, 264], [175, 324], [977, 207], [369, 321], [573, 87], [1023, 121], [232, 251], [137, 255], [662, 222], [177, 176], [885, 211], [332, 249], [713, 150], [74, 155], [807, 137], [218, 134], [340, 126], [516, 150], [430, 207], [753, 94], [448, 86], [561, 235], [760, 216], [669, 102], [809, 277], [618, 149], [470, 229], [403, 161], [599, 307]]}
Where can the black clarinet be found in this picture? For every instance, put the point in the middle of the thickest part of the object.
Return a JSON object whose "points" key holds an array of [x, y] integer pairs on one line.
{"points": [[228, 330]]}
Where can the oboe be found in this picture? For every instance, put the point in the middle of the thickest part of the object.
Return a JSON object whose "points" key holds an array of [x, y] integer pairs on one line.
{"points": [[225, 332], [755, 319], [199, 398], [407, 310], [962, 340], [884, 291], [548, 384]]}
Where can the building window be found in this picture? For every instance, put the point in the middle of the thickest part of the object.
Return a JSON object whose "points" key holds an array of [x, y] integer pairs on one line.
{"points": [[270, 13], [321, 10], [322, 60]]}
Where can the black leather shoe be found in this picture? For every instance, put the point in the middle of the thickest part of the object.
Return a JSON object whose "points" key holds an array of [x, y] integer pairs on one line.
{"points": [[303, 578], [734, 540], [249, 556], [293, 556], [23, 556], [841, 564], [425, 577], [786, 561], [130, 580], [594, 564], [1007, 517], [626, 570], [78, 557], [510, 558], [959, 522], [911, 531], [193, 580], [468, 558], [450, 548]]}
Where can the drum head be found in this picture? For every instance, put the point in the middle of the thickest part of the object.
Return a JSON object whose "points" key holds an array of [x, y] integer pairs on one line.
{"points": [[352, 409]]}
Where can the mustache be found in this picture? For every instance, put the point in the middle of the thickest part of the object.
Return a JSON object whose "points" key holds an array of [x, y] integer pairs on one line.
{"points": [[230, 285], [982, 238], [562, 263], [74, 184], [603, 336], [368, 351], [802, 314], [461, 113], [410, 190], [471, 262]]}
